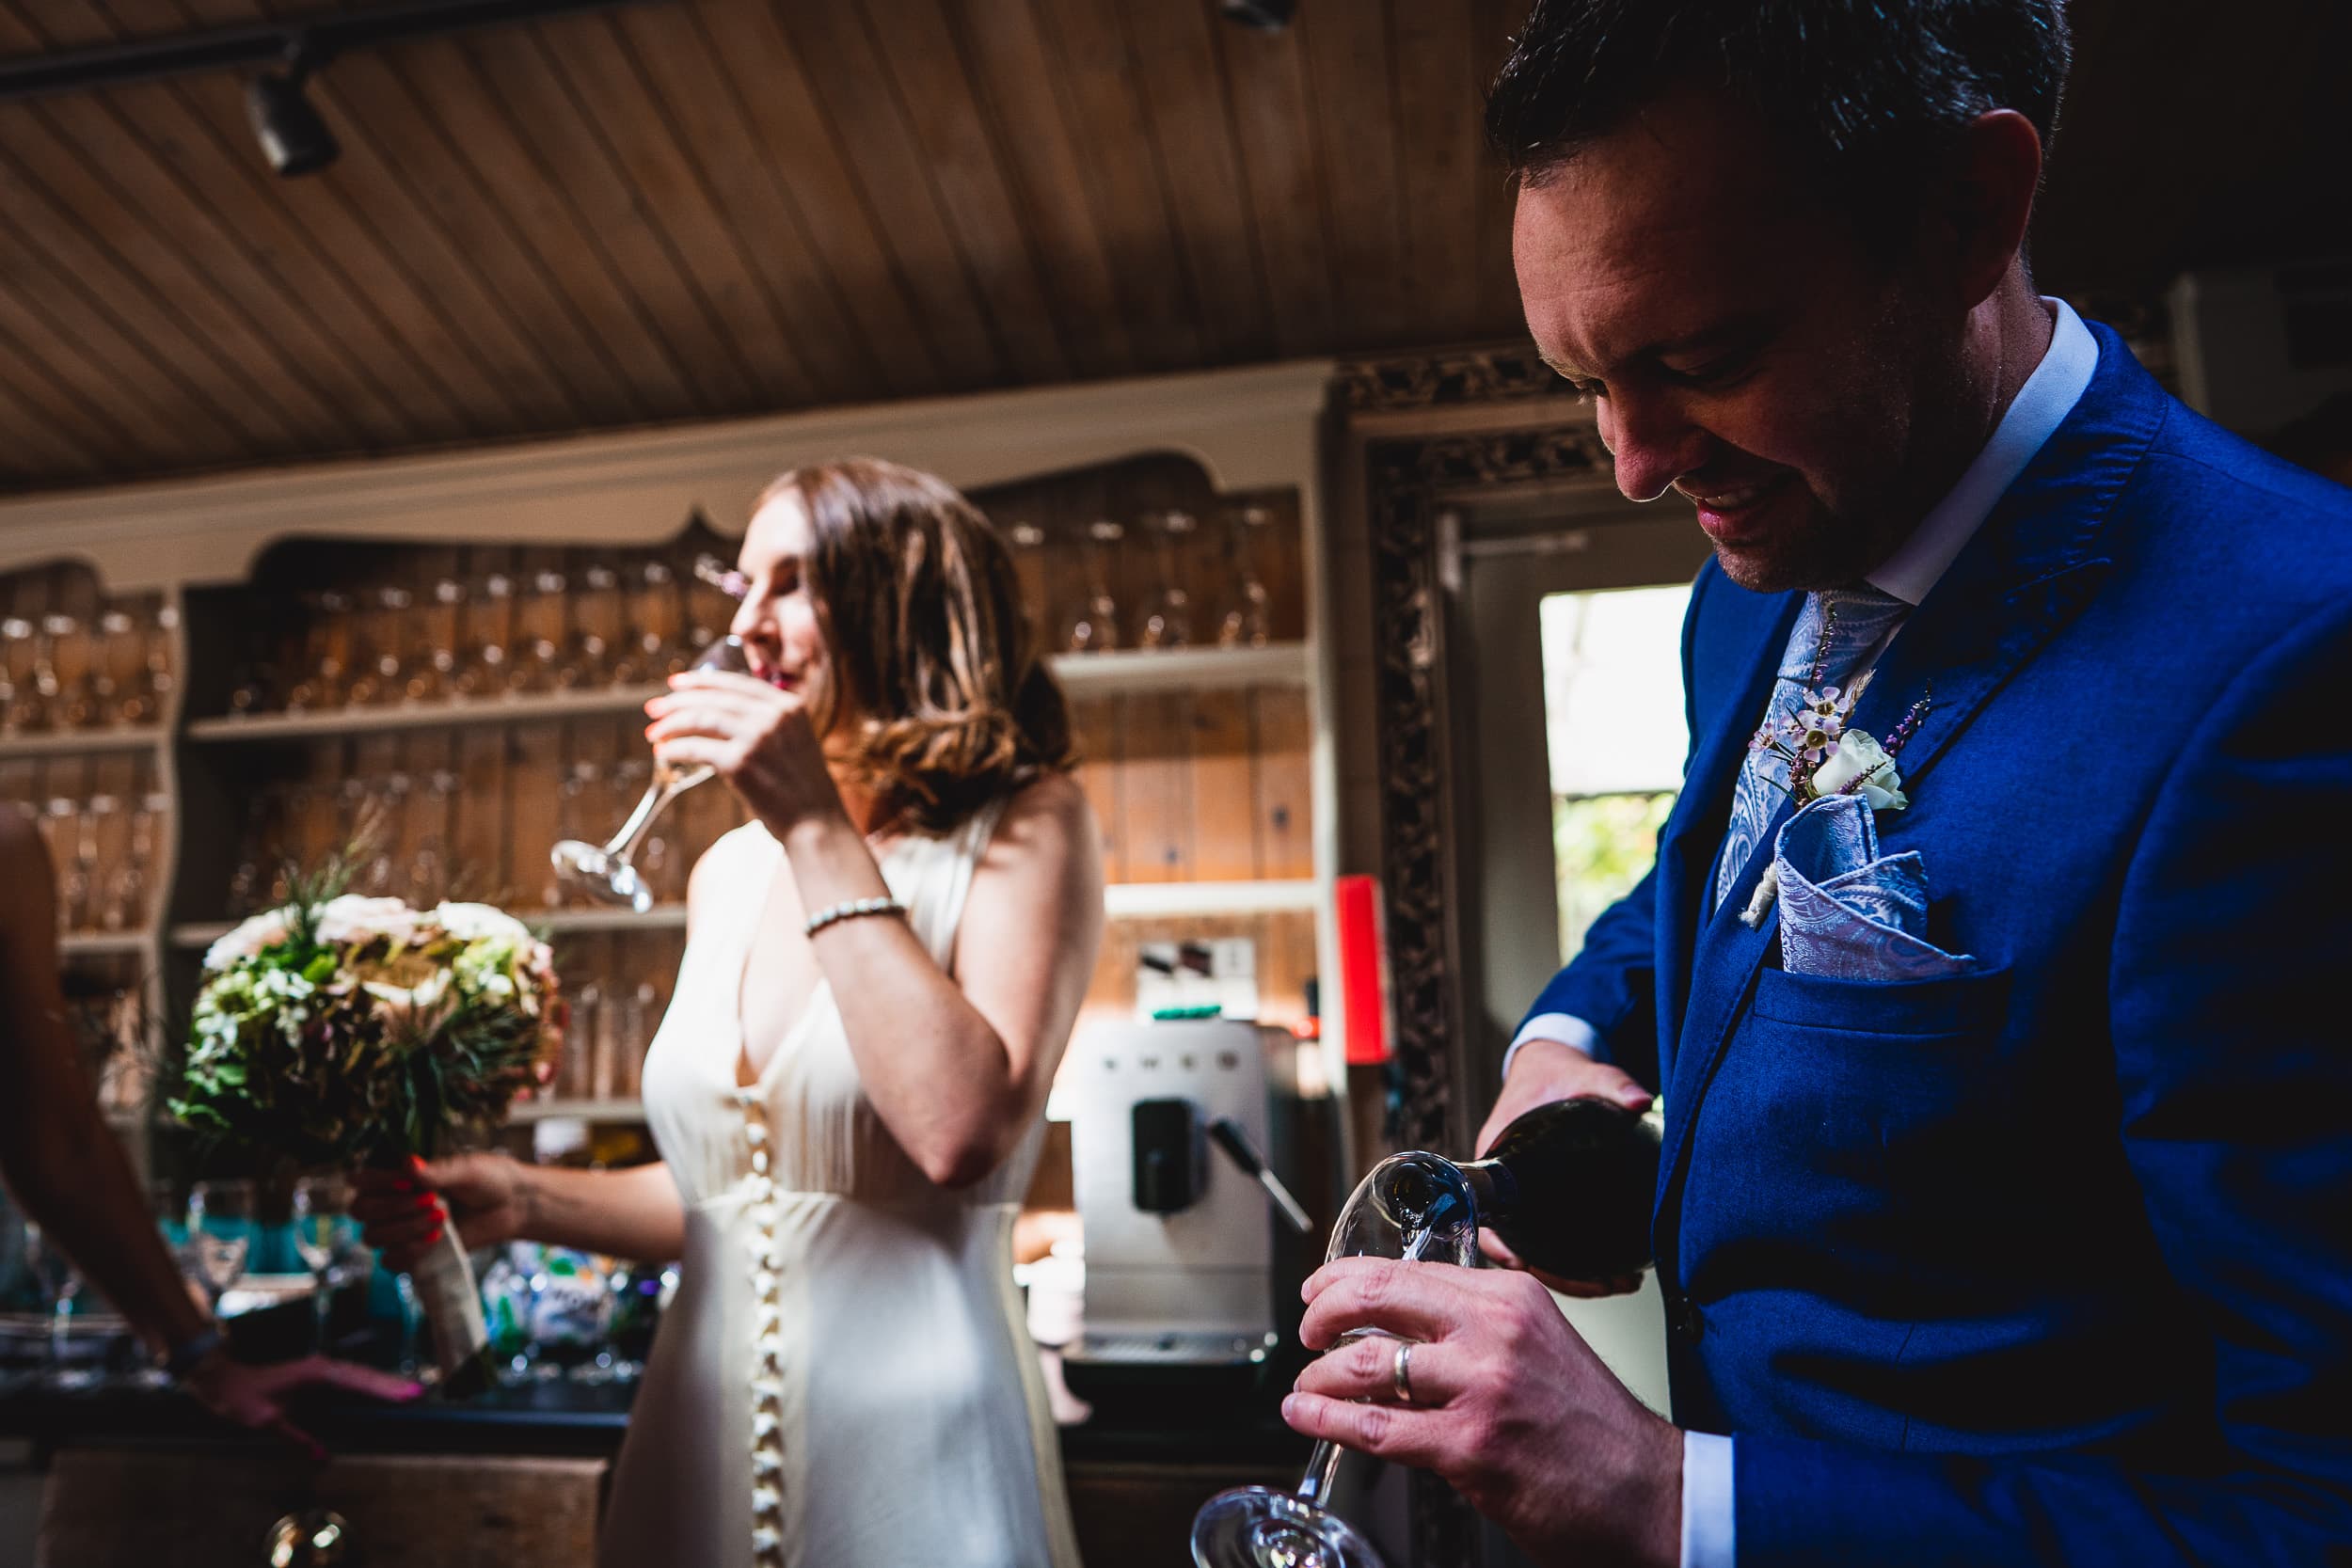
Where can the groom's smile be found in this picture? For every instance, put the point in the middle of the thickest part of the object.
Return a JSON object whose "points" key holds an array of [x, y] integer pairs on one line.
{"points": [[1744, 343]]}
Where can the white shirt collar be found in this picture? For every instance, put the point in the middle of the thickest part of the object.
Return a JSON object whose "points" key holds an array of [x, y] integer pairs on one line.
{"points": [[2034, 415]]}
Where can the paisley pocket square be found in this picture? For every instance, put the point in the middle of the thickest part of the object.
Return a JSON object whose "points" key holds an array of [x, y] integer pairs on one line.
{"points": [[1847, 915]]}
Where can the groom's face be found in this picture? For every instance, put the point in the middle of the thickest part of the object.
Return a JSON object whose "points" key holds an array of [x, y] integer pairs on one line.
{"points": [[1740, 344]]}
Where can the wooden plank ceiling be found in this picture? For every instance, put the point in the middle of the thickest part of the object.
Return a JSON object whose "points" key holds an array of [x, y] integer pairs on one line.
{"points": [[705, 208]]}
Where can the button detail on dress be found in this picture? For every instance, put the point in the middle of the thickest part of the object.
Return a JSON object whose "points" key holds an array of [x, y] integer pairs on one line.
{"points": [[765, 1255]]}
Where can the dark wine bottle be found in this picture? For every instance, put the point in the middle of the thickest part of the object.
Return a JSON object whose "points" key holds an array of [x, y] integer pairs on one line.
{"points": [[1569, 1187]]}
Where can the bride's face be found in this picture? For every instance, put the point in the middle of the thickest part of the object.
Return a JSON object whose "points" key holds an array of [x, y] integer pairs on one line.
{"points": [[778, 618]]}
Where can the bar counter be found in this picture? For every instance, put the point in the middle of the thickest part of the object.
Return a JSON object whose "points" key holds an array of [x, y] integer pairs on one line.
{"points": [[1135, 1470]]}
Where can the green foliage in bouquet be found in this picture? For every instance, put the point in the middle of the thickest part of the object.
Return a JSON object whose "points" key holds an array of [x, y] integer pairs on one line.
{"points": [[342, 1030]]}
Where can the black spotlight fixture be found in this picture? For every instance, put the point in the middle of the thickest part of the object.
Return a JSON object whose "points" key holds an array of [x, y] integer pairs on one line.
{"points": [[293, 137], [1267, 16]]}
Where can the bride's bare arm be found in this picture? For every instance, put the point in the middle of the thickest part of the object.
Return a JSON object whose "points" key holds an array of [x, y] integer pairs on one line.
{"points": [[957, 1068], [493, 1198]]}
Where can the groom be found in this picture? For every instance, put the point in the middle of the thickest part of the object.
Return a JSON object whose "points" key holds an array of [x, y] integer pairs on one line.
{"points": [[2006, 1207]]}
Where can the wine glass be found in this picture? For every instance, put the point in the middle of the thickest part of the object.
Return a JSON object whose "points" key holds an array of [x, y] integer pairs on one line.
{"points": [[322, 1234], [18, 702], [1094, 629], [1027, 542], [1416, 1207], [1166, 621], [1247, 622], [489, 635], [605, 869], [221, 1229], [60, 1284]]}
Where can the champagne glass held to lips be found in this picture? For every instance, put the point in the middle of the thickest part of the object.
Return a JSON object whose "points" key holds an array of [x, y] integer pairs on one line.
{"points": [[605, 869], [1569, 1186]]}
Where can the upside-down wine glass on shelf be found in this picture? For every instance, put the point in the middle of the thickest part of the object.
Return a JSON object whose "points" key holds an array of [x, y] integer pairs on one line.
{"points": [[605, 869]]}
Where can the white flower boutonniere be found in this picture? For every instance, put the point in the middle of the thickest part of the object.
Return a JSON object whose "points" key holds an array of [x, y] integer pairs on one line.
{"points": [[1858, 765], [1825, 756]]}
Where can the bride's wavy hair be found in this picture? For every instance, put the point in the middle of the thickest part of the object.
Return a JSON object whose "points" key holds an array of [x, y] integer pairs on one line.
{"points": [[920, 609]]}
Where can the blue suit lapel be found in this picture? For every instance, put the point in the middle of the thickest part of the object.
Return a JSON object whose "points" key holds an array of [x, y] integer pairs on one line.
{"points": [[2030, 568], [1694, 833]]}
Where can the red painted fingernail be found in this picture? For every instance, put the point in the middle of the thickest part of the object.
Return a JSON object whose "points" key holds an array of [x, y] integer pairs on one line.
{"points": [[435, 1237]]}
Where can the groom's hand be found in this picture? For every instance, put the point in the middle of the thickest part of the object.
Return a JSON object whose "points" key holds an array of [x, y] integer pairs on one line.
{"points": [[1508, 1405], [1542, 1071]]}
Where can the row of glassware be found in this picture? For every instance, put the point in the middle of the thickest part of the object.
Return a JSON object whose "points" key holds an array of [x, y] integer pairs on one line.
{"points": [[411, 821], [217, 1235], [502, 633], [1209, 586], [626, 620], [61, 673], [552, 1312], [105, 848]]}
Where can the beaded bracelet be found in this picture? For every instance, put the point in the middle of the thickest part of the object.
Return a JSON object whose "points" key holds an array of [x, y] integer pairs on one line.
{"points": [[854, 910]]}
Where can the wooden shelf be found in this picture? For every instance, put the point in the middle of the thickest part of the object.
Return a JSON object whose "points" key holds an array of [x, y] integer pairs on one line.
{"points": [[1147, 900], [525, 1112], [1121, 901], [1182, 669], [424, 716], [67, 743], [100, 945], [1084, 675], [661, 917]]}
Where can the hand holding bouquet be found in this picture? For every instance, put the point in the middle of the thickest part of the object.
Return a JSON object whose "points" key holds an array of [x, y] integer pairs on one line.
{"points": [[352, 1031]]}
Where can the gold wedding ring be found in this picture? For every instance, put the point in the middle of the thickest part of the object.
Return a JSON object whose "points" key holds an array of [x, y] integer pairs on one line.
{"points": [[1401, 1371]]}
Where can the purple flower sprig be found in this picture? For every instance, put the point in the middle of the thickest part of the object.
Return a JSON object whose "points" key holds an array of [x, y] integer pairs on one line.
{"points": [[1901, 734]]}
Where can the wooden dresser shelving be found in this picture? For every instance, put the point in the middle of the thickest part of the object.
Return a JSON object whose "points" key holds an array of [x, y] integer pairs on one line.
{"points": [[1207, 764]]}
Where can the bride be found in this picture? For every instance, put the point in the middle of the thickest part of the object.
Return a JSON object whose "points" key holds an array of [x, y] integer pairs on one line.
{"points": [[847, 1093]]}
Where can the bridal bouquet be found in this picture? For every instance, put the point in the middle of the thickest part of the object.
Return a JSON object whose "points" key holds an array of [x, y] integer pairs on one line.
{"points": [[351, 1031]]}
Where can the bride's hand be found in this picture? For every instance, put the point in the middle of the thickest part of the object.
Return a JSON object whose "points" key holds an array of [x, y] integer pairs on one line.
{"points": [[404, 1212], [757, 737]]}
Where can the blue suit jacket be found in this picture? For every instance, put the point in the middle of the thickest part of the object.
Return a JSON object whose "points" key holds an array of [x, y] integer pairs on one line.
{"points": [[2053, 1262]]}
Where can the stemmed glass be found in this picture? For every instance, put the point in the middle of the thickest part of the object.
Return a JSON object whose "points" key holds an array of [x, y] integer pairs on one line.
{"points": [[323, 1233], [605, 869], [1166, 621], [1247, 622], [1094, 629], [488, 622], [221, 1229], [1027, 542], [18, 702], [1416, 1207], [61, 1284]]}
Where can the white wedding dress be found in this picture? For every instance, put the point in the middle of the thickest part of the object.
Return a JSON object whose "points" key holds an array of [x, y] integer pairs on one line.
{"points": [[845, 1379]]}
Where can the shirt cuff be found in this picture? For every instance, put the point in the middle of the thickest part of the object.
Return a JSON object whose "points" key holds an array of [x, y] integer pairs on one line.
{"points": [[1566, 1028], [1706, 1516]]}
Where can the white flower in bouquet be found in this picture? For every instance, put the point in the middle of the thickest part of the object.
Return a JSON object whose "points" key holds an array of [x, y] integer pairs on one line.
{"points": [[482, 922], [416, 1002], [352, 919], [265, 931]]}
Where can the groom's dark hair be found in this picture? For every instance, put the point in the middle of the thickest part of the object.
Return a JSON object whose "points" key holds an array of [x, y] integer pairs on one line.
{"points": [[1866, 93]]}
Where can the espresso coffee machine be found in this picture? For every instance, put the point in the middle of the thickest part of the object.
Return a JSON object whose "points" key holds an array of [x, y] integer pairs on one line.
{"points": [[1169, 1122]]}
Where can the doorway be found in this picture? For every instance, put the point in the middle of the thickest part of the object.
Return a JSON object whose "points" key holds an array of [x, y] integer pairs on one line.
{"points": [[1570, 739]]}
